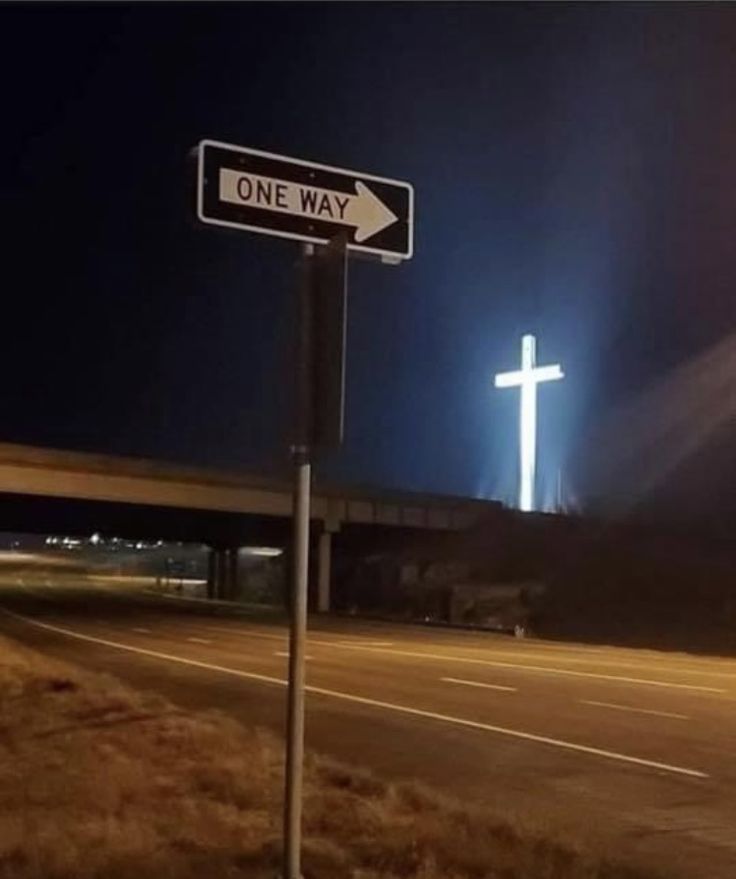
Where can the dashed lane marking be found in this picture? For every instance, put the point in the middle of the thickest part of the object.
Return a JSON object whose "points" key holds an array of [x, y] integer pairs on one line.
{"points": [[542, 669], [634, 710], [479, 684]]}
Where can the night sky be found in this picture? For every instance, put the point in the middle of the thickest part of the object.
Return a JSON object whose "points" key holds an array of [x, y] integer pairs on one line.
{"points": [[575, 177]]}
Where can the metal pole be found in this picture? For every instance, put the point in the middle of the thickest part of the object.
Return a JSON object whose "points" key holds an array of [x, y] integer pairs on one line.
{"points": [[298, 628], [325, 558], [297, 639]]}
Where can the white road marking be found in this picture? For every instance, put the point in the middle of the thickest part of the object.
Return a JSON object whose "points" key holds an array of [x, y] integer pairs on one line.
{"points": [[635, 710], [244, 633], [366, 644], [479, 684], [199, 640], [663, 662], [284, 653], [250, 633], [362, 700], [142, 631], [447, 657]]}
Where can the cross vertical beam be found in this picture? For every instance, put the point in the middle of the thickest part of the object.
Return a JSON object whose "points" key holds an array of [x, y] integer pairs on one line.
{"points": [[528, 425]]}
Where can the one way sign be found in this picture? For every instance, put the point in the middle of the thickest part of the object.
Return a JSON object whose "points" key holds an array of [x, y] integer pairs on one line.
{"points": [[248, 189]]}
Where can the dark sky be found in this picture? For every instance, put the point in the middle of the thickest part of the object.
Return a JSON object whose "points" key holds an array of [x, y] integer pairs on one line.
{"points": [[575, 176]]}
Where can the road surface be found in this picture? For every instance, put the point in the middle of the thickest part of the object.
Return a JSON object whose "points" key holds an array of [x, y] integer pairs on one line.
{"points": [[634, 751]]}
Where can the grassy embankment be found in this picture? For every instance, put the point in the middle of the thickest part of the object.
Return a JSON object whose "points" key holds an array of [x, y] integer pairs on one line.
{"points": [[98, 780]]}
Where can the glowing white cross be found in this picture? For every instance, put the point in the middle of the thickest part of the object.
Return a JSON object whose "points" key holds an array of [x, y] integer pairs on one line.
{"points": [[527, 378]]}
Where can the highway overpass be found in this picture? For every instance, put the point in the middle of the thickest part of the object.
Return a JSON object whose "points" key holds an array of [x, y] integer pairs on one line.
{"points": [[44, 490]]}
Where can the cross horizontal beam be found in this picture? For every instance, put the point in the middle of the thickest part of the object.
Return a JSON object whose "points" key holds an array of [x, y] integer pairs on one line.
{"points": [[518, 377]]}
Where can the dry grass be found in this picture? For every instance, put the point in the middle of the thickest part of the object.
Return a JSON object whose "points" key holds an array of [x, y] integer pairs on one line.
{"points": [[98, 780]]}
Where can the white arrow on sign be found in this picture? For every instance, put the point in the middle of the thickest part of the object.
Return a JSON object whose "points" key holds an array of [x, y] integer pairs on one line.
{"points": [[363, 210]]}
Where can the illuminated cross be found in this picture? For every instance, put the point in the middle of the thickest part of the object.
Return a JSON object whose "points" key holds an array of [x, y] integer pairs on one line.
{"points": [[527, 378]]}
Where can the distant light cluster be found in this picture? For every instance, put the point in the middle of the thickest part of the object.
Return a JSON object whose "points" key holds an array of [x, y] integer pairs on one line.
{"points": [[112, 543]]}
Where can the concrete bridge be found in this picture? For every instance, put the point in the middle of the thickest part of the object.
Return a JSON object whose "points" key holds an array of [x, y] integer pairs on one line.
{"points": [[43, 490]]}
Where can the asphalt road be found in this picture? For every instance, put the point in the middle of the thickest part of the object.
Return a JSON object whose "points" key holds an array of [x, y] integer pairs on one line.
{"points": [[632, 750]]}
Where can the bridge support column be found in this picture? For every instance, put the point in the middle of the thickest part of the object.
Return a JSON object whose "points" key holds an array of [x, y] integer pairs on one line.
{"points": [[324, 575], [222, 579], [212, 573], [233, 584]]}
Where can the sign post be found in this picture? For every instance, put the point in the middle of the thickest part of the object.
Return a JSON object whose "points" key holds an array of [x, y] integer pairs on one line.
{"points": [[332, 211], [301, 453]]}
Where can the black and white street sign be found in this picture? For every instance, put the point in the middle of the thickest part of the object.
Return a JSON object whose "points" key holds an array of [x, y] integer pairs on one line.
{"points": [[248, 189]]}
